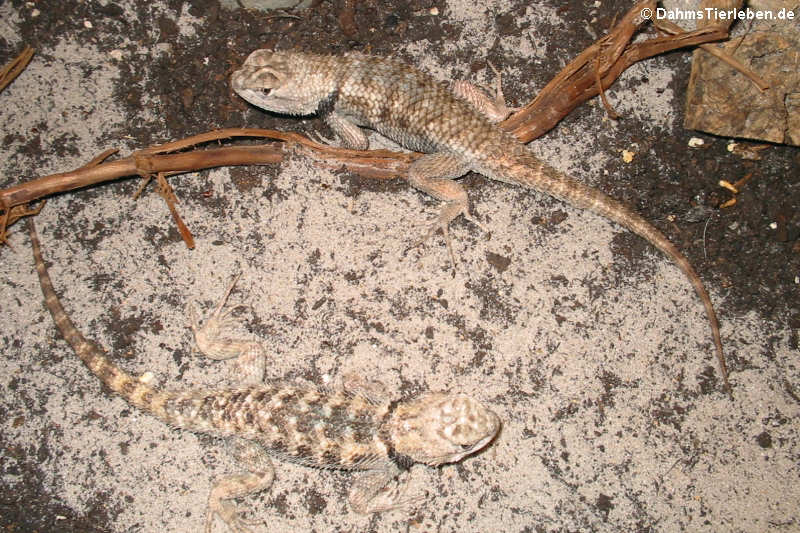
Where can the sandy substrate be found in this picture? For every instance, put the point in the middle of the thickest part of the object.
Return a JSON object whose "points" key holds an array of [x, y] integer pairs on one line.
{"points": [[599, 363]]}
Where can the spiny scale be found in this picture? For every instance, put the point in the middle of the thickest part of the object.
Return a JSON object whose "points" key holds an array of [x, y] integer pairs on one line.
{"points": [[323, 428], [423, 114], [301, 425]]}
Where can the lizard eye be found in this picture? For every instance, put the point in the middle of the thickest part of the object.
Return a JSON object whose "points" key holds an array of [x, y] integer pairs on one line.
{"points": [[265, 91]]}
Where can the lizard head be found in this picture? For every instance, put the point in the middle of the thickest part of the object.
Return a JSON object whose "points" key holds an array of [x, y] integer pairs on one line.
{"points": [[440, 428], [284, 82]]}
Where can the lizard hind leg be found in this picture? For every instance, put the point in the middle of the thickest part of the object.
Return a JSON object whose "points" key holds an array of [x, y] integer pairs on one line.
{"points": [[259, 477], [433, 174], [495, 110], [213, 340]]}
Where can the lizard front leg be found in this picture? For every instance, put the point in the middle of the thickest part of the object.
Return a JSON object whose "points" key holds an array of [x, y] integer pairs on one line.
{"points": [[351, 135], [382, 490]]}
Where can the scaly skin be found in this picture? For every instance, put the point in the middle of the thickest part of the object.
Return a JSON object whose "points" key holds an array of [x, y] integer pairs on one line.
{"points": [[343, 429], [423, 114]]}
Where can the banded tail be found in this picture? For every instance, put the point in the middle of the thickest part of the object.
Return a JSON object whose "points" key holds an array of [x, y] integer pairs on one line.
{"points": [[133, 390], [528, 171]]}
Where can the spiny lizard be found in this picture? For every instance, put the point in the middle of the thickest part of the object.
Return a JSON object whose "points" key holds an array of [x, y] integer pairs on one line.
{"points": [[426, 115], [349, 428]]}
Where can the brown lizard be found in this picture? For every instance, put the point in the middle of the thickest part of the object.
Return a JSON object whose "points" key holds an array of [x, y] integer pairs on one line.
{"points": [[426, 115], [348, 428]]}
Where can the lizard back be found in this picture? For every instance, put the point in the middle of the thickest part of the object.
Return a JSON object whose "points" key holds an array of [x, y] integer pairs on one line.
{"points": [[423, 114], [310, 426], [411, 107]]}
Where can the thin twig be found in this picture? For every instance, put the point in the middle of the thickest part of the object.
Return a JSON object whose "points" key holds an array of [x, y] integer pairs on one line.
{"points": [[719, 53], [169, 197], [15, 67], [705, 227]]}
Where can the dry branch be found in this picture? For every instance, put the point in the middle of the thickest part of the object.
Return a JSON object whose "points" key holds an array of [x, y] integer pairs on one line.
{"points": [[375, 164], [604, 60], [587, 75], [9, 72]]}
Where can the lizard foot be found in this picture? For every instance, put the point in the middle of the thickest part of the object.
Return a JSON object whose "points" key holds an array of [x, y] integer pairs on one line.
{"points": [[450, 211], [321, 139], [495, 109], [213, 341], [381, 491], [229, 514], [209, 336], [260, 477]]}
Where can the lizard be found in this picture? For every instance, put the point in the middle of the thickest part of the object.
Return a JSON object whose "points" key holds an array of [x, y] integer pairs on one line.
{"points": [[347, 428], [454, 129]]}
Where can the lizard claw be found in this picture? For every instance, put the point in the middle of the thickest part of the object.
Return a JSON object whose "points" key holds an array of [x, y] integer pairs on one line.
{"points": [[213, 338], [475, 222], [493, 108], [443, 223], [231, 515]]}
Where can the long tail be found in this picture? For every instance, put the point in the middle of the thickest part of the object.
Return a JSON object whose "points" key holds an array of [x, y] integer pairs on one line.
{"points": [[528, 171], [201, 410], [134, 391]]}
